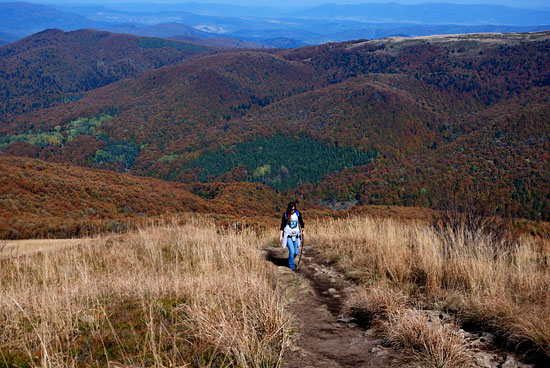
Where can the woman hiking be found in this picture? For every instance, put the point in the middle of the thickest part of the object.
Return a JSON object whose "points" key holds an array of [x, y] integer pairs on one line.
{"points": [[291, 232]]}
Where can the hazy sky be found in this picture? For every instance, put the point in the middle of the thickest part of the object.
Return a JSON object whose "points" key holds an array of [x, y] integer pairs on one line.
{"points": [[300, 3]]}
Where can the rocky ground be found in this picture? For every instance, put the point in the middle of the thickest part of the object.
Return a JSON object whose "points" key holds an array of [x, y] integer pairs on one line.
{"points": [[327, 338]]}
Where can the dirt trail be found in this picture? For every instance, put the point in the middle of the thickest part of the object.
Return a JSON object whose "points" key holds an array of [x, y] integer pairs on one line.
{"points": [[326, 338]]}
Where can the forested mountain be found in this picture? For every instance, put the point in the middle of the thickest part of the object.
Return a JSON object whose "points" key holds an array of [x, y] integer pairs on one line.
{"points": [[53, 66], [434, 114]]}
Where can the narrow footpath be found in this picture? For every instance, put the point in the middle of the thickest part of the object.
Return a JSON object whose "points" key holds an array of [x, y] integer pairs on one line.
{"points": [[326, 338]]}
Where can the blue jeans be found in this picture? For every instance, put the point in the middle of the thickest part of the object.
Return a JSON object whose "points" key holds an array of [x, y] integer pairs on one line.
{"points": [[292, 251]]}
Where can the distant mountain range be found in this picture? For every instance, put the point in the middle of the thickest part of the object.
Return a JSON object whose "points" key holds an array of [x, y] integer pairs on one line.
{"points": [[426, 13], [22, 19], [432, 13], [270, 26]]}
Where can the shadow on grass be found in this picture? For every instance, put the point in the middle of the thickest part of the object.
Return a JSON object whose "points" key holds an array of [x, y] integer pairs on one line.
{"points": [[277, 257]]}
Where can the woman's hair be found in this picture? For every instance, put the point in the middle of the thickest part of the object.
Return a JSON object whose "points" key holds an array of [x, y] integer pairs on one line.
{"points": [[289, 208]]}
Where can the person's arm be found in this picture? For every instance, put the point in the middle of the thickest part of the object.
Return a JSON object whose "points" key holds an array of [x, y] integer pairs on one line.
{"points": [[301, 221], [282, 228]]}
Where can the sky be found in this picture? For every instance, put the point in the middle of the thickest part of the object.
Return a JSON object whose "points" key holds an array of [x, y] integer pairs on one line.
{"points": [[300, 3]]}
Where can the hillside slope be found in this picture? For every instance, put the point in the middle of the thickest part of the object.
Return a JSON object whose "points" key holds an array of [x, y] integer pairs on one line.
{"points": [[41, 199], [53, 67]]}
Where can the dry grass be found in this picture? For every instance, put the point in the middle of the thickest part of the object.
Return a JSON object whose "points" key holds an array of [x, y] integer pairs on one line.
{"points": [[164, 296], [496, 286], [18, 248], [427, 340], [431, 342], [375, 305]]}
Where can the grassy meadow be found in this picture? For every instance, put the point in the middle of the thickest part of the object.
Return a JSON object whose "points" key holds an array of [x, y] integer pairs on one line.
{"points": [[484, 281], [193, 294], [163, 296]]}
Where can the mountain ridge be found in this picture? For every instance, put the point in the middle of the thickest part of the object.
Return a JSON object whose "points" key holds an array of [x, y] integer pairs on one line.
{"points": [[307, 25], [23, 18], [425, 13]]}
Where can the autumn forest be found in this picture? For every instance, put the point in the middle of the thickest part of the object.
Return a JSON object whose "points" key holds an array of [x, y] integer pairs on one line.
{"points": [[394, 121]]}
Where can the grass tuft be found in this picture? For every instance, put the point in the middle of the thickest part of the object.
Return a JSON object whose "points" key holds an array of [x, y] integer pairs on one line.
{"points": [[432, 343]]}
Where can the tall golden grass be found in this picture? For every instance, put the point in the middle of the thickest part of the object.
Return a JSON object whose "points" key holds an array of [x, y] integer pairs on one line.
{"points": [[163, 296], [488, 282]]}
